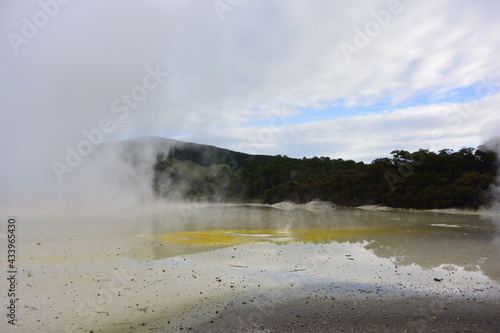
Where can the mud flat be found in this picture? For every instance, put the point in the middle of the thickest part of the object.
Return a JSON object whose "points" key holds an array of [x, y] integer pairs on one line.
{"points": [[222, 269]]}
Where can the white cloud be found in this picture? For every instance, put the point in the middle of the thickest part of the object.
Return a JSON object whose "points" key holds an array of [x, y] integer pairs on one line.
{"points": [[366, 137], [264, 56]]}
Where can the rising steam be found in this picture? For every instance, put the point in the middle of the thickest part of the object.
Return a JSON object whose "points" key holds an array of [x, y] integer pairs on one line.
{"points": [[493, 145]]}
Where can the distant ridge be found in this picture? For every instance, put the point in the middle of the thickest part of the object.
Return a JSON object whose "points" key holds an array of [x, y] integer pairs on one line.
{"points": [[444, 179], [205, 155]]}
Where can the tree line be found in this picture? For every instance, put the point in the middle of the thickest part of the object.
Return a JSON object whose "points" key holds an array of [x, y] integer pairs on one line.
{"points": [[421, 179]]}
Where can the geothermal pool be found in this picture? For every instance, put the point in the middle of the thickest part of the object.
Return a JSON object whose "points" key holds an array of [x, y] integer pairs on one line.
{"points": [[246, 268]]}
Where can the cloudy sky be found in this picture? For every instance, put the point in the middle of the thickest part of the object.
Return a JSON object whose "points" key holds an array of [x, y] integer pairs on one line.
{"points": [[349, 79]]}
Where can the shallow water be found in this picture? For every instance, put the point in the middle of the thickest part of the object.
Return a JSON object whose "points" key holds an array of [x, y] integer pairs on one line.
{"points": [[425, 240], [422, 239]]}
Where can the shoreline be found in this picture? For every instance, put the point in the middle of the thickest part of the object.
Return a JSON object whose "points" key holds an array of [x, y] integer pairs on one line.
{"points": [[317, 206], [184, 206]]}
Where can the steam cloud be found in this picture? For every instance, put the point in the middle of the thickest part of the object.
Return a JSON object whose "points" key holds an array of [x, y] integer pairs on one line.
{"points": [[71, 68], [69, 88], [494, 146]]}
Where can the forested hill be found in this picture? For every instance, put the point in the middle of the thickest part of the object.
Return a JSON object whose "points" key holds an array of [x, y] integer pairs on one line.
{"points": [[204, 155], [422, 179]]}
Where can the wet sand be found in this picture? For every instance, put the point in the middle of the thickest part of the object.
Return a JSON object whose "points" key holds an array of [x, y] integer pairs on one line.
{"points": [[95, 285], [400, 314]]}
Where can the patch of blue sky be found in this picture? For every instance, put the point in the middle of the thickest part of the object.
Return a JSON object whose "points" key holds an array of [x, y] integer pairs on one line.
{"points": [[457, 95], [339, 109], [178, 133], [175, 134]]}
